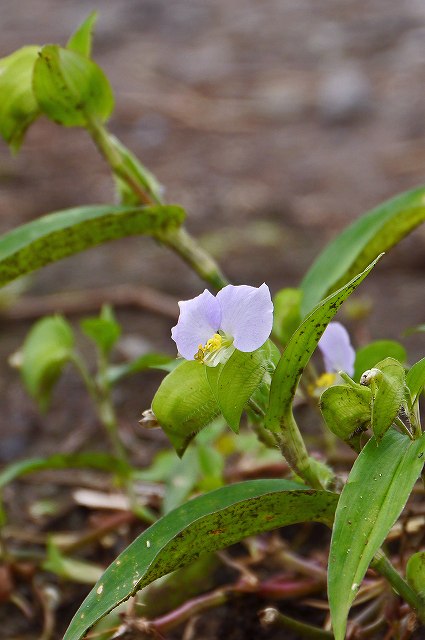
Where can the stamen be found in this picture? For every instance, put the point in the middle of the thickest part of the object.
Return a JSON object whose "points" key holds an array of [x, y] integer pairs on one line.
{"points": [[323, 382], [211, 353], [214, 343], [199, 355]]}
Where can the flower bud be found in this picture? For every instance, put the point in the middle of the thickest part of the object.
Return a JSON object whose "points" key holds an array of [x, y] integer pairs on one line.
{"points": [[149, 420]]}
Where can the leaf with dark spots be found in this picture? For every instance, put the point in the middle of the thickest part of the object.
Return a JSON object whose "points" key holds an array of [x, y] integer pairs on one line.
{"points": [[299, 351], [64, 233], [207, 523]]}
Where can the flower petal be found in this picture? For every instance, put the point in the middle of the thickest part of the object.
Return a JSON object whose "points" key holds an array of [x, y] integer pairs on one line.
{"points": [[199, 319], [336, 349], [246, 315]]}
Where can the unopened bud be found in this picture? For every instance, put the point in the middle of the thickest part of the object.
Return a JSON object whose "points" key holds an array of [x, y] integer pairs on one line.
{"points": [[149, 420], [369, 375]]}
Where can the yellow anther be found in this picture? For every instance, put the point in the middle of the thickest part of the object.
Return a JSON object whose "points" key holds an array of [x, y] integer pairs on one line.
{"points": [[213, 344], [199, 355], [323, 382]]}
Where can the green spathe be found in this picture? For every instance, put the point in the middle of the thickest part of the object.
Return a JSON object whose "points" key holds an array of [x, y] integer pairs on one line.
{"points": [[70, 88], [18, 106]]}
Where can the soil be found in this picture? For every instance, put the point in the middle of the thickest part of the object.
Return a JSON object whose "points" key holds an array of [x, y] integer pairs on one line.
{"points": [[275, 124]]}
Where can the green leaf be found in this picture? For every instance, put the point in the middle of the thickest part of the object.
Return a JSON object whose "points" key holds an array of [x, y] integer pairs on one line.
{"points": [[184, 404], [234, 383], [61, 234], [71, 89], [299, 351], [89, 460], [368, 356], [388, 387], [142, 363], [415, 573], [375, 232], [415, 380], [377, 489], [207, 523], [81, 39], [69, 568], [47, 348], [287, 313], [18, 106], [103, 330], [347, 411]]}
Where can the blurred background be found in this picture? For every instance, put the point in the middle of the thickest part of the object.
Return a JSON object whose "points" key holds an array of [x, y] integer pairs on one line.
{"points": [[274, 123]]}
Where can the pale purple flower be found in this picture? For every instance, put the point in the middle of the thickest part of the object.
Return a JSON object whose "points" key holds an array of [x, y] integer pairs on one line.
{"points": [[210, 327], [336, 349]]}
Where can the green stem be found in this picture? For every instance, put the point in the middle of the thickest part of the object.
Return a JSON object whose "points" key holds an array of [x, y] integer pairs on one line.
{"points": [[273, 617], [263, 435], [108, 418], [106, 409], [102, 140], [381, 564], [89, 383], [178, 240], [199, 260], [292, 446], [102, 401]]}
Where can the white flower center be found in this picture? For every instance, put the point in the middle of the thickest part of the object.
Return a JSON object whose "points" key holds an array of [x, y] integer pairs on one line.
{"points": [[217, 349]]}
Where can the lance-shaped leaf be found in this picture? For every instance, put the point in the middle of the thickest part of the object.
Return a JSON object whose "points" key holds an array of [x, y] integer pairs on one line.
{"points": [[184, 404], [388, 391], [377, 489], [207, 523], [347, 411], [234, 383], [70, 88], [368, 356], [47, 348], [61, 234], [18, 106], [415, 380], [299, 351], [373, 233], [81, 39]]}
